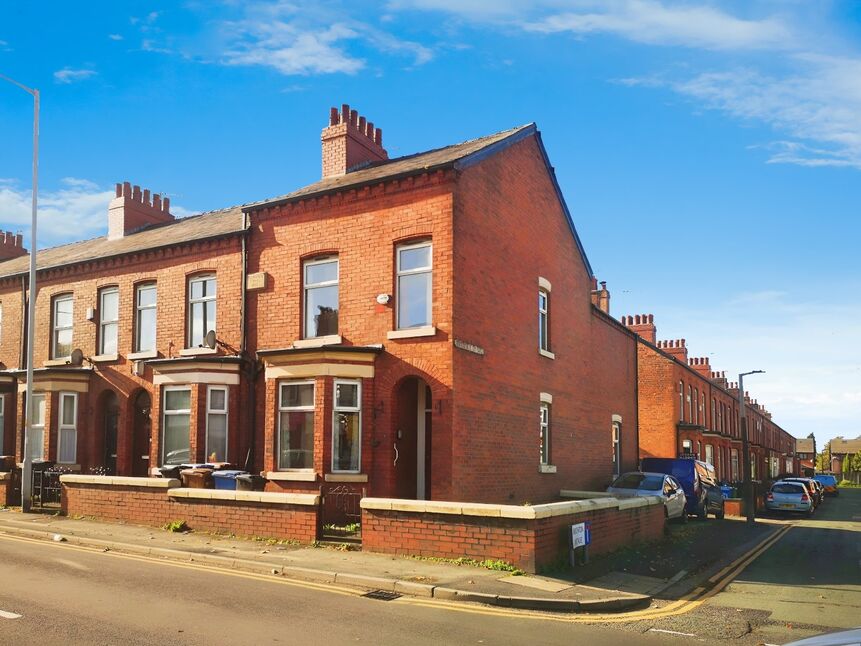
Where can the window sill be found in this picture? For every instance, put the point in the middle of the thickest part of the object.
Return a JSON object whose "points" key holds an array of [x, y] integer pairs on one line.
{"points": [[346, 477], [104, 357], [547, 468], [318, 342], [546, 353], [413, 332], [295, 476], [145, 354], [193, 352], [63, 361]]}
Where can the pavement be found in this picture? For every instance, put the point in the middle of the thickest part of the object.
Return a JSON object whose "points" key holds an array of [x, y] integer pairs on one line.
{"points": [[339, 565]]}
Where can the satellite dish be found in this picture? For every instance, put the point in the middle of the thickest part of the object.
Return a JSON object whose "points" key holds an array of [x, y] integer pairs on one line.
{"points": [[77, 357], [210, 340]]}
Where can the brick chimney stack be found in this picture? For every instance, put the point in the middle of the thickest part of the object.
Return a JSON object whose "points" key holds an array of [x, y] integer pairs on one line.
{"points": [[642, 324], [701, 365], [132, 210], [675, 347], [11, 245], [600, 297], [720, 379], [350, 141]]}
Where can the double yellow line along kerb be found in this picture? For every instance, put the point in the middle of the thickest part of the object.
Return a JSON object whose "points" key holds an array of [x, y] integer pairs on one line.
{"points": [[683, 605]]}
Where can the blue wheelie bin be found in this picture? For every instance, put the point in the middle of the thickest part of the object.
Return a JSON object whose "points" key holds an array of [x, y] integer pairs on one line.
{"points": [[226, 479]]}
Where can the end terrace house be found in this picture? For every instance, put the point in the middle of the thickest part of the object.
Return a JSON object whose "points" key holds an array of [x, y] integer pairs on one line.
{"points": [[424, 327]]}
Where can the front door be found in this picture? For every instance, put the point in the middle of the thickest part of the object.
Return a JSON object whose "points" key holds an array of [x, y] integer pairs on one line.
{"points": [[111, 417], [412, 440], [141, 435]]}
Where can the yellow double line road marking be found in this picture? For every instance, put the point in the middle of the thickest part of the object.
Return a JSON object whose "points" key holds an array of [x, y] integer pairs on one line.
{"points": [[683, 605]]}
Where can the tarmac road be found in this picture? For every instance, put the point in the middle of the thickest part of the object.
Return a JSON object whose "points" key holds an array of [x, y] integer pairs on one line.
{"points": [[68, 595]]}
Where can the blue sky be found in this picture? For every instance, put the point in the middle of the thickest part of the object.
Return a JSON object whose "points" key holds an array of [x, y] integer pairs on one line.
{"points": [[710, 152]]}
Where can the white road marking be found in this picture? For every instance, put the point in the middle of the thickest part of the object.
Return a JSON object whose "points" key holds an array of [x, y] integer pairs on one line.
{"points": [[9, 615], [670, 632], [72, 564]]}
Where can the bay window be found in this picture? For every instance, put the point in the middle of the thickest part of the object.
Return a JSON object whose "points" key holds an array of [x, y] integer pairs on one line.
{"points": [[296, 425], [347, 427], [67, 436], [37, 427], [216, 424], [176, 426]]}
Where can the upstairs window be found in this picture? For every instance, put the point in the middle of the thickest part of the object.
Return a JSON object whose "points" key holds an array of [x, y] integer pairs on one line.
{"points": [[543, 320], [415, 285], [201, 308], [681, 401], [321, 297], [145, 317], [61, 338], [109, 315]]}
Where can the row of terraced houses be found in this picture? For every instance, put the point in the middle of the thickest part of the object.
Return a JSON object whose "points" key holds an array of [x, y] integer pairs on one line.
{"points": [[426, 327]]}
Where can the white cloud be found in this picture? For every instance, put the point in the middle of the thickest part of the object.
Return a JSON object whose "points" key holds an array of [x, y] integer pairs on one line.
{"points": [[4, 46], [67, 75], [77, 210], [115, 36]]}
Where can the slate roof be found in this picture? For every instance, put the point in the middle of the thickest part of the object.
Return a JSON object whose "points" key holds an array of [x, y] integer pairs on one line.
{"points": [[841, 445], [231, 220], [803, 445]]}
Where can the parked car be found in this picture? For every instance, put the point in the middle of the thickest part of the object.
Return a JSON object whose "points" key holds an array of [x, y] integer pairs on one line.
{"points": [[828, 482], [697, 478], [638, 483], [786, 495], [812, 488]]}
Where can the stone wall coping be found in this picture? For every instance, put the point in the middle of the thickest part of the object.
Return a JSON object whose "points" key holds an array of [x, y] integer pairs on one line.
{"points": [[5, 475], [120, 481], [526, 512], [270, 497]]}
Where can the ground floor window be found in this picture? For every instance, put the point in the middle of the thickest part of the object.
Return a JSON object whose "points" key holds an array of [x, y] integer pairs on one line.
{"points": [[686, 447], [753, 467], [347, 427], [544, 433], [617, 448], [67, 448], [733, 457], [37, 427], [296, 425], [216, 424], [2, 422], [176, 425], [789, 465], [710, 454]]}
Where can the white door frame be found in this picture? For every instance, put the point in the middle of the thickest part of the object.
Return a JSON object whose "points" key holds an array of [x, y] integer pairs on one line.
{"points": [[420, 438]]}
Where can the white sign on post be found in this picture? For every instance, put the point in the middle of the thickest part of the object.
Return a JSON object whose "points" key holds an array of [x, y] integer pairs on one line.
{"points": [[578, 535]]}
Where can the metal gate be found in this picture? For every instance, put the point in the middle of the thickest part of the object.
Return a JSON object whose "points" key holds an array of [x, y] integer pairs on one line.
{"points": [[341, 515], [46, 490]]}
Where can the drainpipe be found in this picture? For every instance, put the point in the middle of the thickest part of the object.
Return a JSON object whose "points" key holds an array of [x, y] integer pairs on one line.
{"points": [[637, 397], [21, 345]]}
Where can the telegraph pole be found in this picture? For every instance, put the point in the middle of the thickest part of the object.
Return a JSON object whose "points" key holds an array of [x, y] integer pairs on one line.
{"points": [[749, 500]]}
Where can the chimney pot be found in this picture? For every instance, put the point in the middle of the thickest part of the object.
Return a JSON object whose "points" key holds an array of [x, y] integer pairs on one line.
{"points": [[333, 116]]}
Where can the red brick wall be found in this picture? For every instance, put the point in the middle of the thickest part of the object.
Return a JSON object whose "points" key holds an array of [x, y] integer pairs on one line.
{"points": [[529, 544], [148, 506], [6, 493], [509, 230]]}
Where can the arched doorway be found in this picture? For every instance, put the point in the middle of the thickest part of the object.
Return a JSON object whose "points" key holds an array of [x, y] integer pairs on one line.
{"points": [[141, 434], [110, 408], [413, 439]]}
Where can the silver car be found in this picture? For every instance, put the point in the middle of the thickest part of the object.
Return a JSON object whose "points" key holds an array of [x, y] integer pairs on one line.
{"points": [[789, 496], [638, 483]]}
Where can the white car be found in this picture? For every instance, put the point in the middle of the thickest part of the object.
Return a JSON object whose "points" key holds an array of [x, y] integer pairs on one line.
{"points": [[638, 483]]}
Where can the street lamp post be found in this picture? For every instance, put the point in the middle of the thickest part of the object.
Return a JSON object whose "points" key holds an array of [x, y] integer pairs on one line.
{"points": [[749, 501], [27, 474]]}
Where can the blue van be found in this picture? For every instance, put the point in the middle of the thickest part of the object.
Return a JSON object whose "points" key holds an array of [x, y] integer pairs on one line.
{"points": [[698, 479]]}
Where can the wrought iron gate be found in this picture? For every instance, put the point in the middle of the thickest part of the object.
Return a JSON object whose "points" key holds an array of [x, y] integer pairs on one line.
{"points": [[341, 515]]}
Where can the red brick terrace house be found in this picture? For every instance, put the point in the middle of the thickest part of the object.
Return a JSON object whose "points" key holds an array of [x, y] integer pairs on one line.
{"points": [[686, 408], [423, 327], [839, 448], [805, 451], [137, 303]]}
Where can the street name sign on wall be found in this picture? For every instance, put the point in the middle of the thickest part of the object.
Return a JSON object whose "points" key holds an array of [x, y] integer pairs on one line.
{"points": [[581, 534]]}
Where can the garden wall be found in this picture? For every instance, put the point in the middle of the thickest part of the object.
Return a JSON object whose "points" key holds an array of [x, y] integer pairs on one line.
{"points": [[157, 501], [6, 489], [530, 537]]}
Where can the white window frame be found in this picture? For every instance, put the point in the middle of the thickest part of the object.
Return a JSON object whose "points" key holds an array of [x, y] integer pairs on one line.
{"points": [[428, 269], [55, 329], [681, 401], [73, 427], [687, 447], [105, 323], [211, 411], [296, 409], [544, 320], [734, 464], [709, 459], [544, 433], [39, 426], [203, 300], [165, 413], [617, 448], [138, 309], [307, 287], [2, 421], [346, 409]]}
